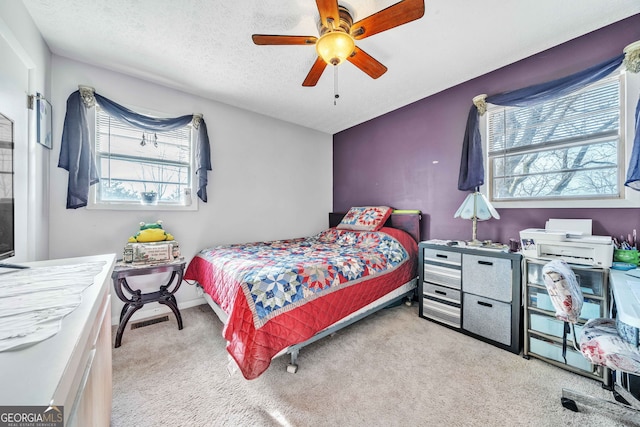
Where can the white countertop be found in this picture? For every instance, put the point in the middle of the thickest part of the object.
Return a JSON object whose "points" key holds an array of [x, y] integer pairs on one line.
{"points": [[626, 293], [30, 376]]}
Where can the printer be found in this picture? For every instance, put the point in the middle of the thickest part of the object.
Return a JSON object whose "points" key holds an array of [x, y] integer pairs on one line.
{"points": [[569, 240]]}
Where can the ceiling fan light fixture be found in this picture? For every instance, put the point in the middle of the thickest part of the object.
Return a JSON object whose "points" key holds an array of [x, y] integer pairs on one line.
{"points": [[335, 46], [338, 35]]}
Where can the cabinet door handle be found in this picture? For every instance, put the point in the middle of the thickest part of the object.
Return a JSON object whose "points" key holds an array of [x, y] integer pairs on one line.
{"points": [[440, 292], [486, 304], [485, 262], [441, 256]]}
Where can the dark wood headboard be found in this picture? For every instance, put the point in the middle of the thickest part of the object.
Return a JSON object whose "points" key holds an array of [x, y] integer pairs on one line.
{"points": [[409, 222]]}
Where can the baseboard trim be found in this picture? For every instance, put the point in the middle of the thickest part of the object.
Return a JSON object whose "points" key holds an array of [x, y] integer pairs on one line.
{"points": [[156, 310]]}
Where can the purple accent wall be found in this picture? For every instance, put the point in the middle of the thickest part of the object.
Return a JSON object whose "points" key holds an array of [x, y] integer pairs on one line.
{"points": [[410, 158]]}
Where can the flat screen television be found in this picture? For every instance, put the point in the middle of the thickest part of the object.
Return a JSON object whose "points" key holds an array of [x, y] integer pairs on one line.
{"points": [[7, 213]]}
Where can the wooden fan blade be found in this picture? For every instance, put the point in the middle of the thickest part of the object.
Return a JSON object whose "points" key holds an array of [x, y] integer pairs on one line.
{"points": [[393, 16], [265, 39], [367, 63], [328, 9], [314, 74]]}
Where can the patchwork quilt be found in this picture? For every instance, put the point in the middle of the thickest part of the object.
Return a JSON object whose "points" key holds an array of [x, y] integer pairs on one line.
{"points": [[280, 293]]}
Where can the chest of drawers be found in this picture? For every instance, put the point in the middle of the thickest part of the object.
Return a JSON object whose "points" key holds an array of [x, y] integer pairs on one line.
{"points": [[475, 291], [543, 332]]}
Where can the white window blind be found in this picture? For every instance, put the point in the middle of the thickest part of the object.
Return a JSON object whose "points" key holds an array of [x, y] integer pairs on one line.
{"points": [[131, 161], [568, 147]]}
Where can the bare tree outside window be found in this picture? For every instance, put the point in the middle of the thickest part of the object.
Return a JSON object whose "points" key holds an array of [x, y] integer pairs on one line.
{"points": [[564, 148]]}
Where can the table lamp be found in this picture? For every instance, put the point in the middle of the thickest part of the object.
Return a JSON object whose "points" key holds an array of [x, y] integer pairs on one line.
{"points": [[476, 207]]}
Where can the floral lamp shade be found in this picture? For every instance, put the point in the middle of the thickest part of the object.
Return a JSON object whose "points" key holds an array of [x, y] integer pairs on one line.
{"points": [[476, 207]]}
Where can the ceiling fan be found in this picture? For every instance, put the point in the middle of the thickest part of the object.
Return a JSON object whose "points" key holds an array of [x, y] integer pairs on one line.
{"points": [[338, 34]]}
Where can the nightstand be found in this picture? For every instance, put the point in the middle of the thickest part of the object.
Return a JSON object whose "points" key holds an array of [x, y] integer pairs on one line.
{"points": [[136, 299], [475, 291]]}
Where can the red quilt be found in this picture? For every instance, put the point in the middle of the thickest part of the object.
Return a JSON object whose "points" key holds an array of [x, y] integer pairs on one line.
{"points": [[281, 293]]}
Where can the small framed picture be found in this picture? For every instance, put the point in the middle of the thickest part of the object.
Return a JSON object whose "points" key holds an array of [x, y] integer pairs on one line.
{"points": [[44, 122]]}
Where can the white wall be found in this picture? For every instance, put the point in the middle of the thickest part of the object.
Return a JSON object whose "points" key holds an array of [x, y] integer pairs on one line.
{"points": [[270, 179], [31, 55]]}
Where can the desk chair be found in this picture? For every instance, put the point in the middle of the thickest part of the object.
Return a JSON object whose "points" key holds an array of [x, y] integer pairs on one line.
{"points": [[599, 342]]}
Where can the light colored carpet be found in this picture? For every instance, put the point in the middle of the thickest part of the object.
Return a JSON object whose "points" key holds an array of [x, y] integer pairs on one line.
{"points": [[391, 369]]}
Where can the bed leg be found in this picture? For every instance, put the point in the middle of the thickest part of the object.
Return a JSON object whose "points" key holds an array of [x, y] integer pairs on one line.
{"points": [[292, 367], [412, 297]]}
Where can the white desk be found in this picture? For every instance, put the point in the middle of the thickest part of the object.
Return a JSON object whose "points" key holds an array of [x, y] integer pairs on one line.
{"points": [[626, 294]]}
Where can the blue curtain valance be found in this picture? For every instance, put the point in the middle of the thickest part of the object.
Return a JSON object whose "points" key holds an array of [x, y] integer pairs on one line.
{"points": [[471, 173], [77, 157], [151, 124]]}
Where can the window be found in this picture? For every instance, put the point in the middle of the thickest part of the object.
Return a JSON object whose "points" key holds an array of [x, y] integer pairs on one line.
{"points": [[141, 170], [561, 152]]}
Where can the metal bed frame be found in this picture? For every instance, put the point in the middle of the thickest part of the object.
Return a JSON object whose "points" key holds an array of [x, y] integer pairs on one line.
{"points": [[294, 350], [406, 222]]}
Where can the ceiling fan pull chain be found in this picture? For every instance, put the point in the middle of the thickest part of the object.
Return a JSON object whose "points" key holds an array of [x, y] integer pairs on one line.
{"points": [[335, 85]]}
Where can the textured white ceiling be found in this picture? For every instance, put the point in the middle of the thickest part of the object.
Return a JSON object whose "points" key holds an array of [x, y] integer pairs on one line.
{"points": [[204, 47]]}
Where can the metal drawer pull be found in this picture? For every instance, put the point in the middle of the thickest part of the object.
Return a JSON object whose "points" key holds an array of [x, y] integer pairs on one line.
{"points": [[486, 304], [485, 262], [441, 256], [440, 292]]}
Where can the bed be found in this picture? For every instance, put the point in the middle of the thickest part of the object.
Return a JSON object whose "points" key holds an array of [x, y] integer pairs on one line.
{"points": [[277, 297]]}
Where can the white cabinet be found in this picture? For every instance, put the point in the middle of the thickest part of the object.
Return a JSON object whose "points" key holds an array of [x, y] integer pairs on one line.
{"points": [[474, 291], [71, 369], [90, 402]]}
